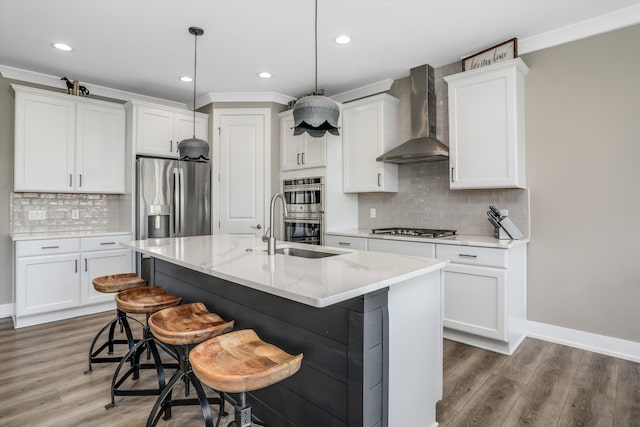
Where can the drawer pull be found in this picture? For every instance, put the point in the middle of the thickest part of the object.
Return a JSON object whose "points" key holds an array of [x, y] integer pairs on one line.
{"points": [[50, 247], [107, 243], [467, 256], [344, 243], [76, 265]]}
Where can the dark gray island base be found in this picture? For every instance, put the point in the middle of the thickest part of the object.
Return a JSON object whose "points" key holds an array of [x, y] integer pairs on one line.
{"points": [[343, 380]]}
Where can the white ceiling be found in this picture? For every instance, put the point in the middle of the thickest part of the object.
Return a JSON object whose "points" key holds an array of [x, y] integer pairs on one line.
{"points": [[143, 46]]}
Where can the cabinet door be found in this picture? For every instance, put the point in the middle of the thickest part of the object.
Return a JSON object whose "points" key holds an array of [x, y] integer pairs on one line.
{"points": [[154, 132], [475, 300], [183, 127], [369, 129], [100, 148], [346, 242], [289, 145], [300, 151], [314, 152], [102, 263], [44, 143], [486, 126], [402, 247], [47, 283]]}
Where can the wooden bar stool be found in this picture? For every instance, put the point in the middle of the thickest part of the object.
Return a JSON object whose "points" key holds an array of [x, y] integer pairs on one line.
{"points": [[183, 327], [145, 300], [239, 362], [113, 283]]}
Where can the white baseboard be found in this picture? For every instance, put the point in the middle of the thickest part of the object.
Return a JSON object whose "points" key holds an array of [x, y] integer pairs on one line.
{"points": [[616, 347], [6, 310]]}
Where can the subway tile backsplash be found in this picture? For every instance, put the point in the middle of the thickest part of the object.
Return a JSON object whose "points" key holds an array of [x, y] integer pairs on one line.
{"points": [[424, 200], [96, 212]]}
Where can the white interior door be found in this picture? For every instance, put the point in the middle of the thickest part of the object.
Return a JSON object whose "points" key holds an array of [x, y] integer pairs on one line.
{"points": [[240, 140]]}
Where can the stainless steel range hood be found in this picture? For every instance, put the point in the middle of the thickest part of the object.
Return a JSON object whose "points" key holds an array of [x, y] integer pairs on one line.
{"points": [[423, 146]]}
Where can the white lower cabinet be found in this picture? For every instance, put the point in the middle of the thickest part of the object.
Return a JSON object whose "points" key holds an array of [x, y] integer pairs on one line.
{"points": [[402, 247], [484, 296], [47, 283], [345, 242], [53, 277]]}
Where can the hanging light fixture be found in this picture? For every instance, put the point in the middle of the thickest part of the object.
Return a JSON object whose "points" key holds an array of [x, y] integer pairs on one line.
{"points": [[194, 149], [314, 113]]}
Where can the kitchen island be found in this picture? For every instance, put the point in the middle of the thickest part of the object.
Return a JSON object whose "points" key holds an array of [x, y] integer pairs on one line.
{"points": [[369, 324]]}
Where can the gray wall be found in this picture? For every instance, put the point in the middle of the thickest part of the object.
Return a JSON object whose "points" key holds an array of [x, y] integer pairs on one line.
{"points": [[583, 148], [6, 186]]}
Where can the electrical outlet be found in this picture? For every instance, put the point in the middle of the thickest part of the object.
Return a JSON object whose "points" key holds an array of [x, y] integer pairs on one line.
{"points": [[37, 215], [372, 212], [75, 213]]}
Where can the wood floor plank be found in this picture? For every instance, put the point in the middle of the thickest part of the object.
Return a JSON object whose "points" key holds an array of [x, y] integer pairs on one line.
{"points": [[627, 403], [522, 365], [598, 373], [464, 381], [490, 405], [542, 400], [587, 408]]}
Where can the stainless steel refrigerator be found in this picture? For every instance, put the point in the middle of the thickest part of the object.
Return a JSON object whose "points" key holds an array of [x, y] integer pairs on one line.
{"points": [[173, 200]]}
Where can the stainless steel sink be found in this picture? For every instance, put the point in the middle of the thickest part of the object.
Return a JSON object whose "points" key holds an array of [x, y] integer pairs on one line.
{"points": [[304, 253]]}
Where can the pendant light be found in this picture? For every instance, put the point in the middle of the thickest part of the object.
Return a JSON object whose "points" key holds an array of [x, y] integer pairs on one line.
{"points": [[194, 149], [314, 113]]}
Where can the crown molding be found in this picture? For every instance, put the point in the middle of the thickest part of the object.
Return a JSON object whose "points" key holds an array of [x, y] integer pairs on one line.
{"points": [[363, 91], [274, 97], [53, 81], [590, 27]]}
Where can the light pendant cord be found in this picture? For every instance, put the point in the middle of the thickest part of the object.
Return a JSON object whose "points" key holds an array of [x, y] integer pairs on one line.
{"points": [[195, 79], [316, 42]]}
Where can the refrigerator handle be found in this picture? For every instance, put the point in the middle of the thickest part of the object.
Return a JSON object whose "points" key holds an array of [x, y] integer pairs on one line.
{"points": [[181, 200], [174, 203]]}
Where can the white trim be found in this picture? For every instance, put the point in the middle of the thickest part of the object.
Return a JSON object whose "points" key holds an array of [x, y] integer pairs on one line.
{"points": [[616, 347], [363, 91], [275, 97], [598, 25], [6, 310], [53, 81]]}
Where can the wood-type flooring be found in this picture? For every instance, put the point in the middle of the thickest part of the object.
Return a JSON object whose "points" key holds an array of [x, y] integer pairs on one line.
{"points": [[542, 384]]}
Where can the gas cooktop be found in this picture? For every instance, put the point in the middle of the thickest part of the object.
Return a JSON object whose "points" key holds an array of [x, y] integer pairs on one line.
{"points": [[415, 232]]}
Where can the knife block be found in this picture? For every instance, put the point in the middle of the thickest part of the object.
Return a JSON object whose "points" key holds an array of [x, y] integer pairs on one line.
{"points": [[499, 233]]}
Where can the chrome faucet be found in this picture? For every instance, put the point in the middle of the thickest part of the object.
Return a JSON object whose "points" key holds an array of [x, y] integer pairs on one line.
{"points": [[269, 236]]}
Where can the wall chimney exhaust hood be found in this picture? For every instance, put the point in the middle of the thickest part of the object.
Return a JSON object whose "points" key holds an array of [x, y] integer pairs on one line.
{"points": [[423, 146]]}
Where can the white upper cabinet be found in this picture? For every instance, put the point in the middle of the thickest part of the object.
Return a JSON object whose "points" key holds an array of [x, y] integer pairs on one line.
{"points": [[100, 166], [369, 128], [65, 143], [487, 126], [157, 130], [299, 151]]}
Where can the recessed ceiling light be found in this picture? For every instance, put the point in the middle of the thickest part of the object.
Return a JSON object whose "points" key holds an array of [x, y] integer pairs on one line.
{"points": [[186, 79], [62, 46], [343, 39], [264, 75]]}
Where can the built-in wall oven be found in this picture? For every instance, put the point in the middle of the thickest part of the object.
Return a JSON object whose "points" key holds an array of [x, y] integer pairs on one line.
{"points": [[305, 210]]}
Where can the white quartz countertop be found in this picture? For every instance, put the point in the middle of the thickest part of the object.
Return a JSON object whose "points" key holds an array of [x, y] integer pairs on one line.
{"points": [[42, 235], [318, 282], [458, 239]]}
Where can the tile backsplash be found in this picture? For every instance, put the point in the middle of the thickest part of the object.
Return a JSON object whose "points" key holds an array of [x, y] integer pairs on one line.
{"points": [[424, 200], [96, 212]]}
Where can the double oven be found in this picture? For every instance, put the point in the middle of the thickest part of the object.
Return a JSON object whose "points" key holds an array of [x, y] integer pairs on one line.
{"points": [[305, 210]]}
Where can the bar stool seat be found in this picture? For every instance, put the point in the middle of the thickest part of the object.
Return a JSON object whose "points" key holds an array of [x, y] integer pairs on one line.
{"points": [[145, 300], [238, 362], [113, 283], [183, 327]]}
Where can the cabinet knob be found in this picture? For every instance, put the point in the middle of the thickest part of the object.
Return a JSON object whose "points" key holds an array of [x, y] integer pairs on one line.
{"points": [[259, 227]]}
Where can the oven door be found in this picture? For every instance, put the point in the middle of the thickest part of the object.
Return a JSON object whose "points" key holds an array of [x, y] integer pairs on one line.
{"points": [[307, 230], [303, 199]]}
